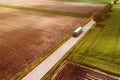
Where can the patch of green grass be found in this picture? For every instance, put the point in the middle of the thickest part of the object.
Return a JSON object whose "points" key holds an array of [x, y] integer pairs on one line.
{"points": [[101, 47], [92, 1], [47, 11]]}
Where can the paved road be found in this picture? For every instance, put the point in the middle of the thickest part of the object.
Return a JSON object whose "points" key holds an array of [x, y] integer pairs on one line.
{"points": [[47, 64]]}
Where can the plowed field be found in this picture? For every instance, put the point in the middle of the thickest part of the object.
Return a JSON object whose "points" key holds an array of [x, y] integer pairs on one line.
{"points": [[70, 71], [77, 7], [25, 36]]}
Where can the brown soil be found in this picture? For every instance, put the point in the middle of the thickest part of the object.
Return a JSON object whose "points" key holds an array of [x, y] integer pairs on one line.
{"points": [[25, 36], [72, 71], [84, 8], [77, 7]]}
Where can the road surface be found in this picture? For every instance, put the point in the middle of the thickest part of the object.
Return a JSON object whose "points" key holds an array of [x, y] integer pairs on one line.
{"points": [[47, 64]]}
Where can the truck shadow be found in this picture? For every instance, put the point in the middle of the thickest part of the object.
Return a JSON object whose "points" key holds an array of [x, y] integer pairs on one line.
{"points": [[100, 25]]}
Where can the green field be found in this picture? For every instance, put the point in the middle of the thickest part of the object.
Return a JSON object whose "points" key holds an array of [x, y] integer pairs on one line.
{"points": [[93, 1], [100, 48]]}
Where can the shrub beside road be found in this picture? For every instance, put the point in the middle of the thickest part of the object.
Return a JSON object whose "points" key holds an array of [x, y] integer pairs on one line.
{"points": [[102, 13]]}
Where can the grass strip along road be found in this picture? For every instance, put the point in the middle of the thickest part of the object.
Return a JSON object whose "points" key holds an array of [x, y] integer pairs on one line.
{"points": [[92, 1], [100, 48], [47, 11]]}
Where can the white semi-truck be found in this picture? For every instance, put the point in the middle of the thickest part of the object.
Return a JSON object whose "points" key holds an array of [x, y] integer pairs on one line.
{"points": [[77, 32]]}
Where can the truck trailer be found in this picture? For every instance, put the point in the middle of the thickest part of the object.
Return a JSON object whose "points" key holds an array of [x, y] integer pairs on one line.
{"points": [[77, 32]]}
